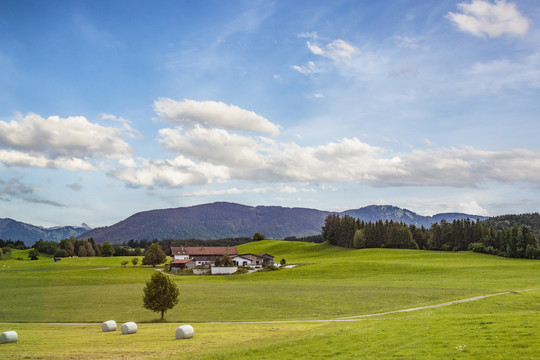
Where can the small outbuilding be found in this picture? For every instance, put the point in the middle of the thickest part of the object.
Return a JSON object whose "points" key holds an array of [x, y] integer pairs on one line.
{"points": [[179, 265]]}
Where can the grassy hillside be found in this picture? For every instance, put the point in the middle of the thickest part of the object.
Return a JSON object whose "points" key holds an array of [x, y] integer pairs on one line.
{"points": [[328, 283]]}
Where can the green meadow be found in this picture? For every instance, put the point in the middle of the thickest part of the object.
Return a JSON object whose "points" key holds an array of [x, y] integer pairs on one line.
{"points": [[327, 283]]}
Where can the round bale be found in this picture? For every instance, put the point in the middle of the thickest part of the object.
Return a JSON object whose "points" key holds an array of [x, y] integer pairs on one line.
{"points": [[185, 332], [129, 328], [108, 326], [8, 337]]}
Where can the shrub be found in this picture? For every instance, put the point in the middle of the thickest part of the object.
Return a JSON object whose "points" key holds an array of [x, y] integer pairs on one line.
{"points": [[269, 268], [242, 270], [186, 271]]}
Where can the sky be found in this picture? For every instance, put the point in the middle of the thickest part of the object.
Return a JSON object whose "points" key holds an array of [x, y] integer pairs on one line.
{"points": [[108, 108]]}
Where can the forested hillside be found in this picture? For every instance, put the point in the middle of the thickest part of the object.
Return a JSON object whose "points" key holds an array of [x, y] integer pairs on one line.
{"points": [[532, 221], [459, 235]]}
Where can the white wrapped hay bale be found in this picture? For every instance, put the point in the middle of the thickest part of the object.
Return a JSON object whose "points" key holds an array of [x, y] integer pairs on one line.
{"points": [[108, 326], [8, 337], [185, 332], [129, 328]]}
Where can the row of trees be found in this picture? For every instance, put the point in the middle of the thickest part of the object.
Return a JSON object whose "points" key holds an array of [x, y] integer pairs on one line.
{"points": [[84, 248], [74, 247], [12, 244], [460, 235]]}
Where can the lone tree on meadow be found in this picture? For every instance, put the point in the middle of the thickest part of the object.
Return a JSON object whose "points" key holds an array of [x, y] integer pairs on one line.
{"points": [[258, 236], [154, 256], [160, 294], [33, 254]]}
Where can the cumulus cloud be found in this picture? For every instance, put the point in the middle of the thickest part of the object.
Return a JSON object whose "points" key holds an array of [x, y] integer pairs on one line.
{"points": [[170, 173], [216, 146], [466, 167], [347, 160], [208, 150], [55, 142], [213, 113], [482, 18]]}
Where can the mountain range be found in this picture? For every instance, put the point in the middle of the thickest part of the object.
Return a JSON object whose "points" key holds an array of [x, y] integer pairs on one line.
{"points": [[15, 230], [218, 220]]}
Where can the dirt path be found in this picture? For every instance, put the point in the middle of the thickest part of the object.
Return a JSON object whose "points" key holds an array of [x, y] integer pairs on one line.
{"points": [[342, 319]]}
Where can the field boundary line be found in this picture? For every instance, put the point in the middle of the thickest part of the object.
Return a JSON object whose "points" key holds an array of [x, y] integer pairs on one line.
{"points": [[474, 298]]}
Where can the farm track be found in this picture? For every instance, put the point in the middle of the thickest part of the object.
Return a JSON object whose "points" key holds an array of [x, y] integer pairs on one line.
{"points": [[342, 319]]}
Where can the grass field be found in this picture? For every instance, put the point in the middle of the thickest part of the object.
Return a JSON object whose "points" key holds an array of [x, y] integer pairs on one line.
{"points": [[328, 283]]}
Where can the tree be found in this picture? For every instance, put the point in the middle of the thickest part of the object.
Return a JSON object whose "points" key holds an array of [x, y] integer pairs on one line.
{"points": [[359, 240], [33, 254], [124, 263], [160, 294], [224, 261], [258, 236], [135, 261], [108, 249], [283, 262], [154, 256]]}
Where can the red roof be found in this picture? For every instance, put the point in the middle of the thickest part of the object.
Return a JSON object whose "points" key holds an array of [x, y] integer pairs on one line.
{"points": [[205, 250], [181, 261]]}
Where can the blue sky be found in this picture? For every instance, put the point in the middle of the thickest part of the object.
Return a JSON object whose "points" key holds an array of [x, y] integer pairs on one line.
{"points": [[108, 108]]}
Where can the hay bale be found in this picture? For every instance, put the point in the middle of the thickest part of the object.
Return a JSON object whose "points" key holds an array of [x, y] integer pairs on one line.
{"points": [[8, 337], [129, 328], [185, 332], [108, 326]]}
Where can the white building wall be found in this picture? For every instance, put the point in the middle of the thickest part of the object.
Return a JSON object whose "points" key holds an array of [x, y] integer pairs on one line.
{"points": [[223, 270]]}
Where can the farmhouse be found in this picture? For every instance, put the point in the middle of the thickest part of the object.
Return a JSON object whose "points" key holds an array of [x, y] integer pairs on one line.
{"points": [[259, 260], [189, 257], [201, 254]]}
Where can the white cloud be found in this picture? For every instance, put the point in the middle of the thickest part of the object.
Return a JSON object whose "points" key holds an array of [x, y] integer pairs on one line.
{"points": [[215, 146], [126, 126], [213, 113], [308, 69], [467, 167], [310, 35], [348, 160], [336, 50], [170, 173], [482, 18], [19, 158], [56, 142]]}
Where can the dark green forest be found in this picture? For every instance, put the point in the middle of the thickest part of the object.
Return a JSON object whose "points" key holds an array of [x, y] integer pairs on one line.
{"points": [[509, 235]]}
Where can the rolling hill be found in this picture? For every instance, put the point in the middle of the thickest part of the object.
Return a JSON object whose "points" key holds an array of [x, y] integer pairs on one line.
{"points": [[228, 220]]}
